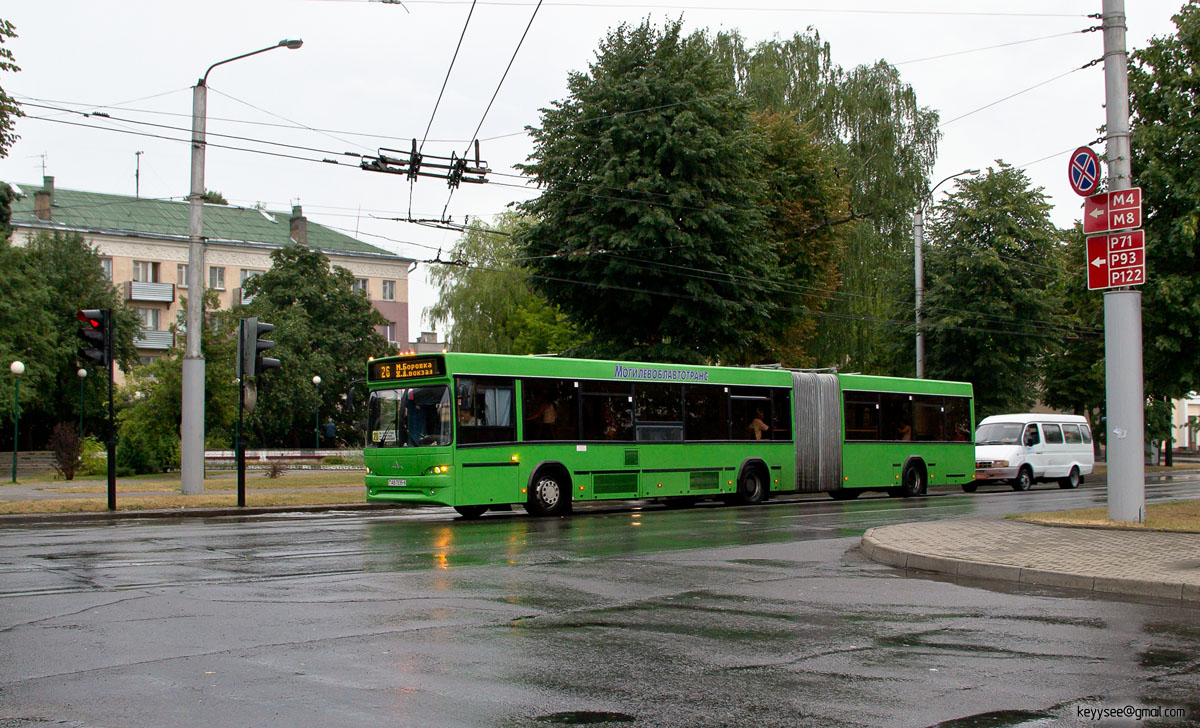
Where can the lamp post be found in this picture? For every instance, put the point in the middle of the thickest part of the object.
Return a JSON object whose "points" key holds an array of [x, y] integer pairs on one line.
{"points": [[192, 417], [317, 414], [82, 374], [919, 265], [17, 369]]}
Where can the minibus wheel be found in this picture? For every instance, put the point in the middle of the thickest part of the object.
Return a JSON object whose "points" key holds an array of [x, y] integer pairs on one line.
{"points": [[1071, 481], [1024, 479]]}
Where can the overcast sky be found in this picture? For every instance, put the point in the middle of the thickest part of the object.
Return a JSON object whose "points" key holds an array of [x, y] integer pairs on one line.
{"points": [[369, 74]]}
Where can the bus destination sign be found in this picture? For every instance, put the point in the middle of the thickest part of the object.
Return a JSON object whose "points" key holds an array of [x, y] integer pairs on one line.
{"points": [[410, 368]]}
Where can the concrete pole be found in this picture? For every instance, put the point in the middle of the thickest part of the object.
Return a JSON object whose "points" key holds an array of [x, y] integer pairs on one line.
{"points": [[192, 426], [1123, 306], [919, 281]]}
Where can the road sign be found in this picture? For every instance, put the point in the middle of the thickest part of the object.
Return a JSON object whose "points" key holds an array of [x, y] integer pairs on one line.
{"points": [[1116, 259], [1084, 171], [1116, 210]]}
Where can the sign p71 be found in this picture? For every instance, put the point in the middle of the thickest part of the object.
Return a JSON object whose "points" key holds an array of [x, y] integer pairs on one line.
{"points": [[1116, 259]]}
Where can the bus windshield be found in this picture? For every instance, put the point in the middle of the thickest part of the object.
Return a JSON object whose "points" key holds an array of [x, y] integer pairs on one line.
{"points": [[999, 433], [409, 417]]}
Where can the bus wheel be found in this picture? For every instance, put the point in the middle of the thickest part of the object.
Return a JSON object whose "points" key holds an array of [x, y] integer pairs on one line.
{"points": [[471, 512], [751, 488], [970, 487], [912, 481], [845, 494], [1024, 479], [550, 495], [1071, 481]]}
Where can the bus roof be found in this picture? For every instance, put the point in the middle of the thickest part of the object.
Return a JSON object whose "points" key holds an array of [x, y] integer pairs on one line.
{"points": [[900, 384]]}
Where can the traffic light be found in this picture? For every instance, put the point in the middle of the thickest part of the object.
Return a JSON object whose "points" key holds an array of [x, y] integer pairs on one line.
{"points": [[251, 362], [96, 332]]}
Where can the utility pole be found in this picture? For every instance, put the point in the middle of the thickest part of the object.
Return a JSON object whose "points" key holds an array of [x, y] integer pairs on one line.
{"points": [[137, 174], [1122, 306]]}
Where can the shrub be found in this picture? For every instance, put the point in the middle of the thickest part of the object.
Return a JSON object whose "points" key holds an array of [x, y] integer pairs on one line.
{"points": [[67, 449], [275, 469], [93, 457], [333, 460]]}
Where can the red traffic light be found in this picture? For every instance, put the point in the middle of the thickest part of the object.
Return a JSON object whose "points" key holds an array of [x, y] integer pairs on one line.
{"points": [[94, 317]]}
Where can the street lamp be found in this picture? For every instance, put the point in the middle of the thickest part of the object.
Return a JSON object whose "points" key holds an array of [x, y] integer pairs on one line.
{"points": [[17, 369], [82, 374], [192, 418], [919, 265], [317, 414]]}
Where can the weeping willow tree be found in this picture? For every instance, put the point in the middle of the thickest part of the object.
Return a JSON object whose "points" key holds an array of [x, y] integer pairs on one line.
{"points": [[884, 144], [485, 303]]}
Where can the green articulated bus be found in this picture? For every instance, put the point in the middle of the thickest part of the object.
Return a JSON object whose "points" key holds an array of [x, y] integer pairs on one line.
{"points": [[482, 431]]}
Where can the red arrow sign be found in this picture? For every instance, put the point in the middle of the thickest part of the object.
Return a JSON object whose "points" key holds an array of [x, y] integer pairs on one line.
{"points": [[1116, 210], [1118, 259]]}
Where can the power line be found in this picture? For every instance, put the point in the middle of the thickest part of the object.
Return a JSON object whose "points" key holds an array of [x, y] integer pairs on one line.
{"points": [[447, 79]]}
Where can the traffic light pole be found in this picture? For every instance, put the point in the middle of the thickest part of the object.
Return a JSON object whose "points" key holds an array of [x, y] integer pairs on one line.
{"points": [[112, 421], [1122, 307], [238, 445]]}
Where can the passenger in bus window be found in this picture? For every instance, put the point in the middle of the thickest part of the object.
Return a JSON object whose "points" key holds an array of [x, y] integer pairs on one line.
{"points": [[543, 420], [757, 426], [903, 431], [466, 417]]}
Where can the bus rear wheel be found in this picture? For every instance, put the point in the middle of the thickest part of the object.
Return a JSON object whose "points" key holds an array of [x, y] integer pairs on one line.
{"points": [[471, 512], [549, 495], [1072, 479], [1024, 479], [751, 488], [970, 487]]}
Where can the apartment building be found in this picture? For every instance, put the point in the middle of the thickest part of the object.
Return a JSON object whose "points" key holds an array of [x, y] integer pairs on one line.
{"points": [[143, 245]]}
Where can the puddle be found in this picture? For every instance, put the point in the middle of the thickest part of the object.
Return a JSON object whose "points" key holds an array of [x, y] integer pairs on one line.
{"points": [[585, 717], [1001, 719]]}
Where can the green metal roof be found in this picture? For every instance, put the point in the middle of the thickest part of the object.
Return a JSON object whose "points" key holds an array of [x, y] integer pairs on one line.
{"points": [[119, 214]]}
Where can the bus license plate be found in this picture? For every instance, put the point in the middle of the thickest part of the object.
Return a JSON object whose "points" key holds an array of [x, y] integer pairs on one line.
{"points": [[397, 482]]}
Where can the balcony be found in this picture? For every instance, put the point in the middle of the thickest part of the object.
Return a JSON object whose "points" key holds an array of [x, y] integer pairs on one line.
{"points": [[156, 292], [151, 339]]}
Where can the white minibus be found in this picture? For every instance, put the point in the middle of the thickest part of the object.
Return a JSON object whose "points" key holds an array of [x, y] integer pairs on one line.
{"points": [[1023, 449]]}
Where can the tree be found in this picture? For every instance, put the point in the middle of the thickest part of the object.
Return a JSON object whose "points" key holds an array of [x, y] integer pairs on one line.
{"points": [[43, 287], [882, 144], [10, 111], [1164, 82], [989, 291], [485, 303], [213, 197], [648, 233], [322, 327], [151, 400]]}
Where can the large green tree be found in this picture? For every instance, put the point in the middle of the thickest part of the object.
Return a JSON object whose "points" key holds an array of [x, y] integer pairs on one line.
{"points": [[989, 301], [485, 302], [648, 232], [43, 286], [882, 145], [323, 327], [1164, 85]]}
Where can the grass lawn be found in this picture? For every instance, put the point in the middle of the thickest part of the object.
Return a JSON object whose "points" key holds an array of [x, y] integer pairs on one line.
{"points": [[1181, 516], [218, 493]]}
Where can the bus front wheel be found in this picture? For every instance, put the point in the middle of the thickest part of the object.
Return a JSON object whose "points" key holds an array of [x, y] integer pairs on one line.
{"points": [[549, 495], [912, 481]]}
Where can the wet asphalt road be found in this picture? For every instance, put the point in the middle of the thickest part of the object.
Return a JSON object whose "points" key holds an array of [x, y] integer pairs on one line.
{"points": [[625, 615]]}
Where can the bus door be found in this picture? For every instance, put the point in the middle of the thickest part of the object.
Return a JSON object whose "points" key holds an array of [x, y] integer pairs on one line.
{"points": [[486, 437]]}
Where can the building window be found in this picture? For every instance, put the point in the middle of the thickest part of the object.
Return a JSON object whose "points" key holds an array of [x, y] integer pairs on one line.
{"points": [[391, 333], [145, 271], [149, 318], [216, 277], [146, 361], [389, 290], [360, 284], [106, 266], [181, 275]]}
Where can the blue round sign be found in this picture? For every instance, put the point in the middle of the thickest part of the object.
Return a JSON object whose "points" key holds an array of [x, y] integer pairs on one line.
{"points": [[1084, 171]]}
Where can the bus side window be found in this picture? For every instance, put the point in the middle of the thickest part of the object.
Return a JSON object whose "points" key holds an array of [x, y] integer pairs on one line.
{"points": [[1031, 437]]}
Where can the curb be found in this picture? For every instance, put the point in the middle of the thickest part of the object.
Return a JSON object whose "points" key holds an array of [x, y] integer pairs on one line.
{"points": [[901, 559], [119, 515]]}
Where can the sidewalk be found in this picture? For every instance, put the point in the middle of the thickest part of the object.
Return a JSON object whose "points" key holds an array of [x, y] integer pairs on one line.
{"points": [[1140, 563]]}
